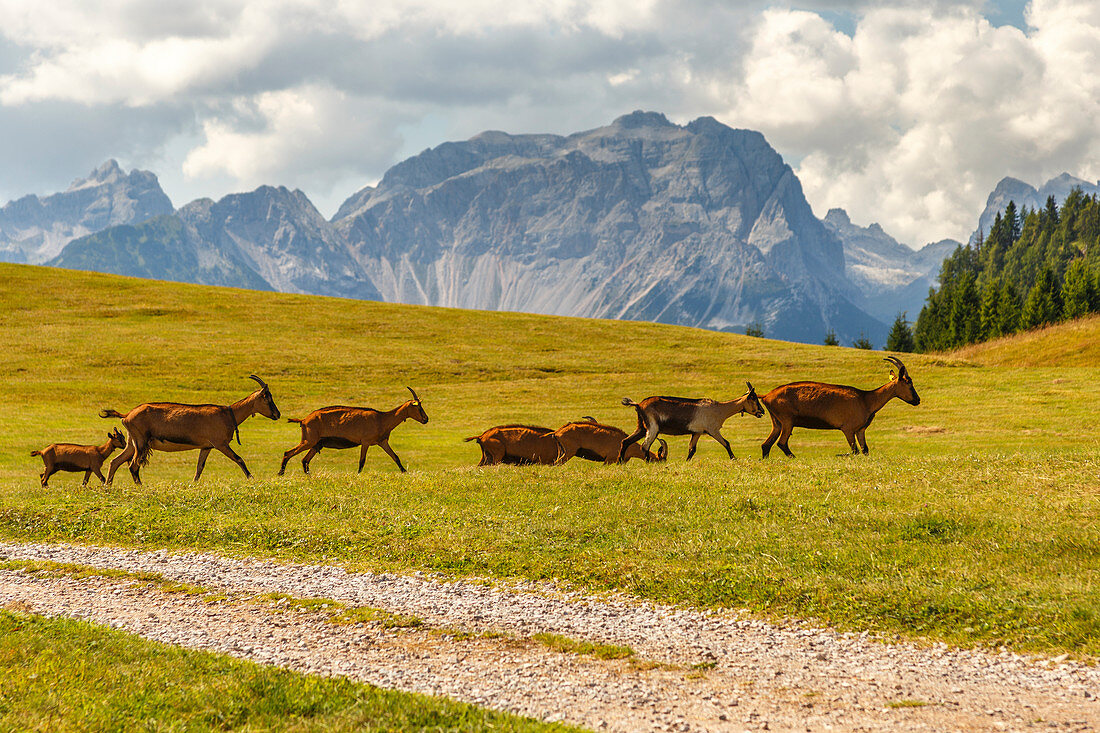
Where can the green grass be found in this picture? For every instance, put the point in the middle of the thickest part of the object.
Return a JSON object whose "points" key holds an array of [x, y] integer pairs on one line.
{"points": [[565, 644], [74, 570], [64, 675], [976, 519]]}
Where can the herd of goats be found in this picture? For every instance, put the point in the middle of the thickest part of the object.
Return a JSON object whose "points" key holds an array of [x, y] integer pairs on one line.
{"points": [[171, 426]]}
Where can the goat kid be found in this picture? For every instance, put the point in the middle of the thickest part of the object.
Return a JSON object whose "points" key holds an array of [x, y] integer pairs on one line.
{"points": [[342, 427], [517, 445], [173, 426], [820, 406], [594, 441], [72, 457], [683, 416]]}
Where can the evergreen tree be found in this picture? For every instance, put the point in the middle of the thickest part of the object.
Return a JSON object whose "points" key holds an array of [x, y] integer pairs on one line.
{"points": [[1078, 290], [1012, 222], [1008, 308], [966, 312], [991, 310], [901, 337], [1043, 304], [863, 342], [831, 339], [756, 328], [1050, 220]]}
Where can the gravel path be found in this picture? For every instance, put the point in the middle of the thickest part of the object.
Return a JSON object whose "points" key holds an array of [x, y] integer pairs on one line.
{"points": [[720, 671]]}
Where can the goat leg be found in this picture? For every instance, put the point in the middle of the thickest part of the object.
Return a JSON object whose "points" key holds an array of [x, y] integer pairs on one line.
{"points": [[385, 444]]}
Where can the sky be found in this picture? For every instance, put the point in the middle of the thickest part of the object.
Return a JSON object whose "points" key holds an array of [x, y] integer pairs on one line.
{"points": [[902, 113]]}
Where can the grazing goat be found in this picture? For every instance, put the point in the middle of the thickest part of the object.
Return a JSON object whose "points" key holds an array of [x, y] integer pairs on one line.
{"points": [[682, 416], [517, 445], [342, 427], [171, 426], [71, 457], [833, 407], [593, 441]]}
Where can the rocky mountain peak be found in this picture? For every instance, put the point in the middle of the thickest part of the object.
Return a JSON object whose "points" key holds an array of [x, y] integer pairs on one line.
{"points": [[639, 118], [35, 228]]}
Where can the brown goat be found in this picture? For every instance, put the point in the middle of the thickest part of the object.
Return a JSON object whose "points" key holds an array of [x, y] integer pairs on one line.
{"points": [[72, 457], [683, 416], [172, 426], [593, 441], [517, 445], [342, 427], [821, 406]]}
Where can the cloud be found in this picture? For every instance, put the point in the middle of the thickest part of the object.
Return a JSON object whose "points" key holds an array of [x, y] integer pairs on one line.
{"points": [[315, 129], [908, 115], [913, 119]]}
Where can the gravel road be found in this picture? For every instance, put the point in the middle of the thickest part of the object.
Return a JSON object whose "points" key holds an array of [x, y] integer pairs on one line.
{"points": [[717, 671]]}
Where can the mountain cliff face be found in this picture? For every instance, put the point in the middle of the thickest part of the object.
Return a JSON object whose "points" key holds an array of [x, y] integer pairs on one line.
{"points": [[34, 229], [891, 277], [700, 225], [268, 239]]}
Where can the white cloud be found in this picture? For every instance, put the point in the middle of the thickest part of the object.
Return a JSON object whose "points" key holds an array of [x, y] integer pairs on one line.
{"points": [[914, 119], [311, 128], [909, 120]]}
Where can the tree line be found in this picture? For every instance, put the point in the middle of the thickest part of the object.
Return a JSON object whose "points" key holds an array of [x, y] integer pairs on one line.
{"points": [[1034, 268]]}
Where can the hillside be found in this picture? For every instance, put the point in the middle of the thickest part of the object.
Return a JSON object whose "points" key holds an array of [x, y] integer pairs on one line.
{"points": [[973, 519], [1074, 344]]}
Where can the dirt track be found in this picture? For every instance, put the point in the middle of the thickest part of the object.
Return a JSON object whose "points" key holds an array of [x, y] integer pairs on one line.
{"points": [[712, 672]]}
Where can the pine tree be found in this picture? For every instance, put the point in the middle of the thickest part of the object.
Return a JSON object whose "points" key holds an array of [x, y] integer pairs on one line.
{"points": [[901, 337], [1008, 308], [1078, 294], [756, 328], [1012, 222], [863, 342], [1043, 304], [991, 310], [966, 311], [831, 339]]}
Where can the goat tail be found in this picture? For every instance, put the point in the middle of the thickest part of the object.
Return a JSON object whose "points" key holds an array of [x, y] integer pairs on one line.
{"points": [[294, 419], [629, 402], [36, 452], [111, 413], [472, 437], [141, 453]]}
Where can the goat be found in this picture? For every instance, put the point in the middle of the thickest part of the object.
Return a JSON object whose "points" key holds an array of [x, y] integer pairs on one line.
{"points": [[171, 426], [593, 441], [821, 406], [683, 416], [342, 427], [517, 445], [72, 457]]}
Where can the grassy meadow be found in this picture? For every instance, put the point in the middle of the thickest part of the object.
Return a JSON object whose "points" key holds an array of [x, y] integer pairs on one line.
{"points": [[64, 675], [976, 518]]}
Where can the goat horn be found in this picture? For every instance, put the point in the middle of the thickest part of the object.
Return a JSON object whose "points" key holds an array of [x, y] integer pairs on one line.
{"points": [[258, 380], [413, 393], [896, 362]]}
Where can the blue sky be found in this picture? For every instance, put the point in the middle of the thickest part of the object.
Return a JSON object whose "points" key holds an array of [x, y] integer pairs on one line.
{"points": [[902, 113]]}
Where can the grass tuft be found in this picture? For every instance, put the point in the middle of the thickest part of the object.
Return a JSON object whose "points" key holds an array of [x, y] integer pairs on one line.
{"points": [[560, 643]]}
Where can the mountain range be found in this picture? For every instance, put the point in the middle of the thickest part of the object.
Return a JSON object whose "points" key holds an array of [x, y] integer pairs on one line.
{"points": [[701, 225]]}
